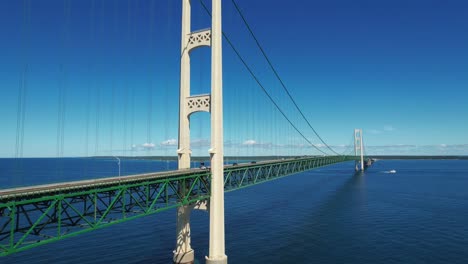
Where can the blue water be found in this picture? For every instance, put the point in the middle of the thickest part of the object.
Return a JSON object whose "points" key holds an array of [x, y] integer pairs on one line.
{"points": [[31, 171], [417, 215]]}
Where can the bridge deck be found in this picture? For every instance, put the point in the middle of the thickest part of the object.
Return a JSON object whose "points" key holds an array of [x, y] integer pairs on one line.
{"points": [[37, 215], [52, 188]]}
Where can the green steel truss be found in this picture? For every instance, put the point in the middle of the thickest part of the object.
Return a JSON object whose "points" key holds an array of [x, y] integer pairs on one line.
{"points": [[240, 177], [31, 219]]}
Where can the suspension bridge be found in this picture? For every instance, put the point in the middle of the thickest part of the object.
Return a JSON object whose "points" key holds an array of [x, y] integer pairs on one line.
{"points": [[36, 215]]}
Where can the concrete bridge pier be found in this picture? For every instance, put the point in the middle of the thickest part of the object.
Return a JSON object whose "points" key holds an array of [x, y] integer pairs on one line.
{"points": [[183, 254]]}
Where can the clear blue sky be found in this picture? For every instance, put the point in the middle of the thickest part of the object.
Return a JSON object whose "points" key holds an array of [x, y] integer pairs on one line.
{"points": [[102, 76]]}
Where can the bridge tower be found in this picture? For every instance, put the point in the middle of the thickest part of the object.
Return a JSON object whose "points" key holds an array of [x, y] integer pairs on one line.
{"points": [[189, 104], [358, 149]]}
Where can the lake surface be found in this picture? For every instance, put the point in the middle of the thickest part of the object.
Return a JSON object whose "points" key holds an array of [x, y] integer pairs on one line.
{"points": [[329, 215]]}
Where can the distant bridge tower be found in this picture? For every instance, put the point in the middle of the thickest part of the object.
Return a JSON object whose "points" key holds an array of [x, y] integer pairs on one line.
{"points": [[189, 104], [358, 148]]}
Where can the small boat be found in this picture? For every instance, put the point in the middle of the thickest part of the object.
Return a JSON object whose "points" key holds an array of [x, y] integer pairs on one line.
{"points": [[392, 171]]}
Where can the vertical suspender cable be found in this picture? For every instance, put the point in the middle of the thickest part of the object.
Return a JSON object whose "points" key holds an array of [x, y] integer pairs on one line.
{"points": [[88, 105], [19, 110], [23, 84], [90, 63], [66, 41], [150, 84], [125, 116], [263, 87], [166, 88], [278, 77], [22, 93], [113, 82], [132, 97], [26, 73], [23, 106], [20, 126], [63, 79], [98, 87], [97, 117], [126, 85], [62, 87], [132, 119], [90, 82], [112, 114], [59, 109], [152, 71]]}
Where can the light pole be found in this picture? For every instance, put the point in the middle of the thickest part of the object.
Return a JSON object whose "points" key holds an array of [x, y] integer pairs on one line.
{"points": [[118, 163]]}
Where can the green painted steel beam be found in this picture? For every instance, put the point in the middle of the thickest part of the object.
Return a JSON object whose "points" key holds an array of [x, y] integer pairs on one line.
{"points": [[28, 221]]}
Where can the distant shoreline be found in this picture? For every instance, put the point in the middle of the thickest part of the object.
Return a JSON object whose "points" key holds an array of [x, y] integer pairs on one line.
{"points": [[404, 157], [257, 158], [261, 158]]}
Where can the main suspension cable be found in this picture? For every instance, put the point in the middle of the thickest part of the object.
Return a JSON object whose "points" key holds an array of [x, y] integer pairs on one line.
{"points": [[261, 86], [277, 75]]}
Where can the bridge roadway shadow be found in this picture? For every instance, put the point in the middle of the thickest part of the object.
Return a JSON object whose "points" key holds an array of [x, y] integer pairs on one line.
{"points": [[323, 238], [295, 230]]}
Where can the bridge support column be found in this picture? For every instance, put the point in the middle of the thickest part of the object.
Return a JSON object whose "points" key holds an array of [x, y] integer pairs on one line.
{"points": [[183, 252], [217, 243]]}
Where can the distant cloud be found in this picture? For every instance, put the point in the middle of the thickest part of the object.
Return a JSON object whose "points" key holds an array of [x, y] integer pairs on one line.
{"points": [[169, 142], [395, 146], [255, 144], [148, 146], [144, 146], [249, 142], [194, 143], [375, 131]]}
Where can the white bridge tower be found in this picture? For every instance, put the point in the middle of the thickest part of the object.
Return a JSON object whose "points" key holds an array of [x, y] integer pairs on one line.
{"points": [[358, 149], [212, 103]]}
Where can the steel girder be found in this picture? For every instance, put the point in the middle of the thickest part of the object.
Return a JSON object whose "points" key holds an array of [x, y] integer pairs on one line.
{"points": [[33, 220]]}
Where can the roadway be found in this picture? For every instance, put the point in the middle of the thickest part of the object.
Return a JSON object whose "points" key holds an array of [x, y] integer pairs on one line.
{"points": [[54, 188]]}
